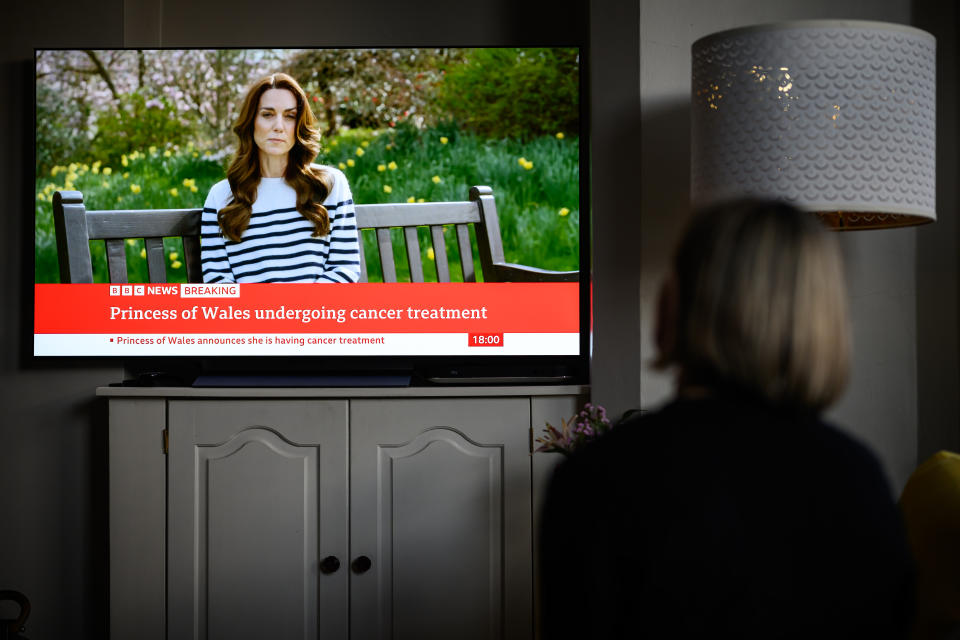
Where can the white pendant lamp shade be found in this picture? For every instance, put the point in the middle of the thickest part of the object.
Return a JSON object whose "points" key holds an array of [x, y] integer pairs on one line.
{"points": [[837, 118]]}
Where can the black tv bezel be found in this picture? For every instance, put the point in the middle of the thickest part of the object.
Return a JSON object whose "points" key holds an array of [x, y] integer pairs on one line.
{"points": [[564, 369]]}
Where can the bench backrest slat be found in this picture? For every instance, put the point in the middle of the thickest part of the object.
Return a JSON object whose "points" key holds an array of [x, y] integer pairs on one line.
{"points": [[412, 241], [167, 223], [466, 253], [116, 260], [156, 265], [385, 246], [439, 253], [403, 214]]}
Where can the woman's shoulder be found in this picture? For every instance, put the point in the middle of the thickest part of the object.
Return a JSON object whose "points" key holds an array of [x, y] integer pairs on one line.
{"points": [[339, 177], [220, 194]]}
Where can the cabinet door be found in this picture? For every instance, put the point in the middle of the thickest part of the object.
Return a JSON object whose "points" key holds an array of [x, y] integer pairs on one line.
{"points": [[440, 503], [257, 497]]}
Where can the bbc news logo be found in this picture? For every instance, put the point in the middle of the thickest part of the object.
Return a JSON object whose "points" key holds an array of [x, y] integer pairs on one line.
{"points": [[127, 290]]}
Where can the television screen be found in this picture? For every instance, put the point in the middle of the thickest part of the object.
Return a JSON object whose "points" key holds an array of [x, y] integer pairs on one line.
{"points": [[288, 261]]}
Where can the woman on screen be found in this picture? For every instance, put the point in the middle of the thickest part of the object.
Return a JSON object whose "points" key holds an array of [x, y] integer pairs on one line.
{"points": [[278, 217]]}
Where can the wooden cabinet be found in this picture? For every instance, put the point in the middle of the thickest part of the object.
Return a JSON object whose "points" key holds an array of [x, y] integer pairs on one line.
{"points": [[441, 502], [327, 513], [257, 497]]}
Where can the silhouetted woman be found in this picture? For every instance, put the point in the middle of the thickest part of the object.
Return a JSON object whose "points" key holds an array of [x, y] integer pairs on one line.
{"points": [[734, 511]]}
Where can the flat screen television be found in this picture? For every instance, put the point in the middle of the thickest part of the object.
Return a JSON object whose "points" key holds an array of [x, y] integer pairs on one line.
{"points": [[153, 130]]}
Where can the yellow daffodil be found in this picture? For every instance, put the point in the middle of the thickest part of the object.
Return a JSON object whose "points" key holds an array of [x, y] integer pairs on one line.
{"points": [[560, 135], [135, 188], [152, 149], [126, 174], [389, 146], [387, 188], [381, 167], [563, 212], [143, 252], [411, 199], [174, 192], [176, 264], [68, 186], [206, 153], [521, 161], [334, 143], [107, 171], [41, 197], [104, 184], [54, 171], [195, 154], [193, 189], [167, 154], [444, 139], [392, 166], [189, 182], [342, 166], [360, 151], [124, 160], [174, 256], [420, 200], [350, 162], [436, 179], [430, 254], [95, 169], [131, 242], [72, 176], [365, 143]]}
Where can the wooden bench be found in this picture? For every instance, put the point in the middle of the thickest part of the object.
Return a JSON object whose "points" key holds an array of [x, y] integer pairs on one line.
{"points": [[76, 227]]}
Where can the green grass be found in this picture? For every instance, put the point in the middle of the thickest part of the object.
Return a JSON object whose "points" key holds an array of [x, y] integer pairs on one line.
{"points": [[538, 206]]}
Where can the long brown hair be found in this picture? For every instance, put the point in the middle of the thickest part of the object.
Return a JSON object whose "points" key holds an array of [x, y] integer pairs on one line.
{"points": [[312, 185]]}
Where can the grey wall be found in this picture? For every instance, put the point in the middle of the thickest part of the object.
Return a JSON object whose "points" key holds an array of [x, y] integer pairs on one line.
{"points": [[938, 323], [52, 450], [903, 283]]}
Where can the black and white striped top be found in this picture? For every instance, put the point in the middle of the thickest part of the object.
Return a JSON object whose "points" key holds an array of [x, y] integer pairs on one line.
{"points": [[278, 246]]}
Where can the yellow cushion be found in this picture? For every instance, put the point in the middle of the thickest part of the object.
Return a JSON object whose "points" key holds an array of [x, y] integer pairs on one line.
{"points": [[931, 510]]}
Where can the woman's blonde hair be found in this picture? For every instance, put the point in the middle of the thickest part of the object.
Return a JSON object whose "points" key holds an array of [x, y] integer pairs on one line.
{"points": [[311, 184], [761, 305]]}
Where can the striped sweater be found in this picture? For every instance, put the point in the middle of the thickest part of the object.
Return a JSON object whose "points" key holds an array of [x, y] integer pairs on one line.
{"points": [[278, 245]]}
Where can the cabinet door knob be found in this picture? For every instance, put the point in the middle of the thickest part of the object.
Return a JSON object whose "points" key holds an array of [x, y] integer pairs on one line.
{"points": [[361, 564], [329, 564]]}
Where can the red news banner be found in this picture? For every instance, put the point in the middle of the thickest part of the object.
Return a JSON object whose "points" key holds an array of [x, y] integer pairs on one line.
{"points": [[487, 308]]}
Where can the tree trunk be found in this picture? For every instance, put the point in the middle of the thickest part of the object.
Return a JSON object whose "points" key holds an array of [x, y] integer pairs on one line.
{"points": [[103, 73]]}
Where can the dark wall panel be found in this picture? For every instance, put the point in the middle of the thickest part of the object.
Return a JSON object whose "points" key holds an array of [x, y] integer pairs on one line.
{"points": [[53, 541]]}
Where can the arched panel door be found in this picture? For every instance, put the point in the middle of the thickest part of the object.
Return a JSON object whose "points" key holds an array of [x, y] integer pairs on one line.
{"points": [[440, 510], [257, 499]]}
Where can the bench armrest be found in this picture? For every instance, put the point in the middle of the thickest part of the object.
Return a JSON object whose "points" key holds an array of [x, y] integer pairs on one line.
{"points": [[510, 272]]}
